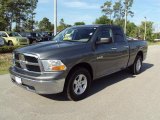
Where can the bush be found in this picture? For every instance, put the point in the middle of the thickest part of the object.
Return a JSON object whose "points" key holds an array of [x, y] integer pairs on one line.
{"points": [[8, 49], [5, 62]]}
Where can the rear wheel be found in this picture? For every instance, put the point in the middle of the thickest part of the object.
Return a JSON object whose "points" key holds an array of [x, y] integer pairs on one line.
{"points": [[78, 84], [137, 66], [34, 41]]}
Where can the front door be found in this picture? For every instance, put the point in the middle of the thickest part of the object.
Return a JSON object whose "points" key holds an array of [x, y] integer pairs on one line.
{"points": [[105, 54]]}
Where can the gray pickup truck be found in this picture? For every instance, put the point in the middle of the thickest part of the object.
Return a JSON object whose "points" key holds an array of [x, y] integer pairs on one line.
{"points": [[74, 58]]}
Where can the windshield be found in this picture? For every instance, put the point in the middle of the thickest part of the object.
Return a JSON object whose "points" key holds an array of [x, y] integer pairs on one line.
{"points": [[79, 34], [14, 34]]}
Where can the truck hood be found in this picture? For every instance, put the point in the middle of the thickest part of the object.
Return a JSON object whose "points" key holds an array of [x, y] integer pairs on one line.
{"points": [[53, 50]]}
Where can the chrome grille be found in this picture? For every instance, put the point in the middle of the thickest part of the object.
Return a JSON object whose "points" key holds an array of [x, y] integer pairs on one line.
{"points": [[27, 62]]}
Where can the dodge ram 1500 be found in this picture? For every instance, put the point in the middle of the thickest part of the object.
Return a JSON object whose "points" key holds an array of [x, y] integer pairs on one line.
{"points": [[74, 58]]}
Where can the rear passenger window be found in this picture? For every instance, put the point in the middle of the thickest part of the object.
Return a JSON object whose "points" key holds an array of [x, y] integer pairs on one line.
{"points": [[105, 33], [118, 35]]}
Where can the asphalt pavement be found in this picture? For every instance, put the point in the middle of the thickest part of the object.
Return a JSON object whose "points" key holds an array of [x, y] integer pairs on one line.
{"points": [[120, 96]]}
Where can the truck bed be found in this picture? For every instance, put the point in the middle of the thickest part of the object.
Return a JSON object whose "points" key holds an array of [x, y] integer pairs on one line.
{"points": [[137, 45]]}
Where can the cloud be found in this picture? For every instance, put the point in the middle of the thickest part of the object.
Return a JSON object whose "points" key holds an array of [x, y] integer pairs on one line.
{"points": [[80, 4]]}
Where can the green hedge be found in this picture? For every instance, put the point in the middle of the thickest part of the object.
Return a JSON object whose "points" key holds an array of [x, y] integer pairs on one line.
{"points": [[8, 49]]}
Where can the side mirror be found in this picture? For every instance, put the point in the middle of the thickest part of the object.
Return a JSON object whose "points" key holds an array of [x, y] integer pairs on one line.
{"points": [[104, 41]]}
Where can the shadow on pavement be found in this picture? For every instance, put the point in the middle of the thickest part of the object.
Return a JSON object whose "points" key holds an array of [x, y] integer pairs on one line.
{"points": [[104, 82]]}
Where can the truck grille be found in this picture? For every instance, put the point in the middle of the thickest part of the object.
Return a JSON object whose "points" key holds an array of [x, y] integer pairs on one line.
{"points": [[27, 62]]}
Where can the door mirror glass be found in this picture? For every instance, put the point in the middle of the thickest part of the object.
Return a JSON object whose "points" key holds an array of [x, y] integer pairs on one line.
{"points": [[104, 41]]}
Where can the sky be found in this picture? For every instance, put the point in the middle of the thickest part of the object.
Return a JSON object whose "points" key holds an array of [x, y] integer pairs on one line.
{"points": [[88, 10]]}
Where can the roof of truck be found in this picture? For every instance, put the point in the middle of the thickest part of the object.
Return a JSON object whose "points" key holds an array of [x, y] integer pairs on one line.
{"points": [[97, 25]]}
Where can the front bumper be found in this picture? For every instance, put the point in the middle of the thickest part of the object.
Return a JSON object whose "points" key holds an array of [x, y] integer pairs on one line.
{"points": [[43, 84]]}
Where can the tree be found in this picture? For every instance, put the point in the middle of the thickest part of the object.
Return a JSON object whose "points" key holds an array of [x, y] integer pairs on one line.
{"points": [[45, 25], [16, 11], [132, 30], [21, 12], [107, 9], [156, 36], [103, 20], [62, 25], [149, 35], [6, 15], [79, 23], [127, 11], [3, 24], [118, 10], [119, 22], [28, 25], [31, 15]]}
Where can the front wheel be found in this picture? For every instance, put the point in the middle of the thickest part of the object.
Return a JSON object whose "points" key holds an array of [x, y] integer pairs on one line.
{"points": [[78, 84], [137, 66], [34, 42]]}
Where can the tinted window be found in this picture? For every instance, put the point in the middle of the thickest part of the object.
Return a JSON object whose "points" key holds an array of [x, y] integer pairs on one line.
{"points": [[105, 33], [14, 34], [23, 34], [118, 35], [3, 35]]}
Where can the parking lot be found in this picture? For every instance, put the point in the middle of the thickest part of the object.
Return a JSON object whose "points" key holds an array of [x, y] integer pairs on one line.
{"points": [[120, 96]]}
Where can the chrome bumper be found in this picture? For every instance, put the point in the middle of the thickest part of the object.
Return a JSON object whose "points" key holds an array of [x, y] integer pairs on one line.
{"points": [[48, 85]]}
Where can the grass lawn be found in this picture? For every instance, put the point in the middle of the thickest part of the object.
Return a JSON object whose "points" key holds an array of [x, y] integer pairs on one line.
{"points": [[5, 63], [153, 43]]}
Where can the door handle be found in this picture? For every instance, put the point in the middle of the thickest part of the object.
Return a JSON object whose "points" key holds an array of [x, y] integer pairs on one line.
{"points": [[126, 46], [114, 48], [100, 57]]}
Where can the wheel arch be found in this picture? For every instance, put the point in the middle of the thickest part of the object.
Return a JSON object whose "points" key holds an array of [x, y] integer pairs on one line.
{"points": [[140, 53], [9, 41], [82, 65]]}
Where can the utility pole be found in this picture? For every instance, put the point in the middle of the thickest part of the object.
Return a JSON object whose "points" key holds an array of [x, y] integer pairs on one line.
{"points": [[125, 24], [145, 29], [55, 17]]}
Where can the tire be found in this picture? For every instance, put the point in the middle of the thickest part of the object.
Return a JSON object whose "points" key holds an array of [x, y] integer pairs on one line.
{"points": [[78, 84], [34, 41], [10, 43], [137, 65]]}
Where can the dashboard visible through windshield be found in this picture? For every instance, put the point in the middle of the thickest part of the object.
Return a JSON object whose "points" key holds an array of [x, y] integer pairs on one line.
{"points": [[75, 34]]}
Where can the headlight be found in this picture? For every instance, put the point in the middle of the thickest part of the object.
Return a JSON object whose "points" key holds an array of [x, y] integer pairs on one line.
{"points": [[53, 65]]}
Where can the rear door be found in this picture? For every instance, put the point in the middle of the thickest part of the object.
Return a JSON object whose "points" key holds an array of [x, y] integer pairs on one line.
{"points": [[122, 47]]}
